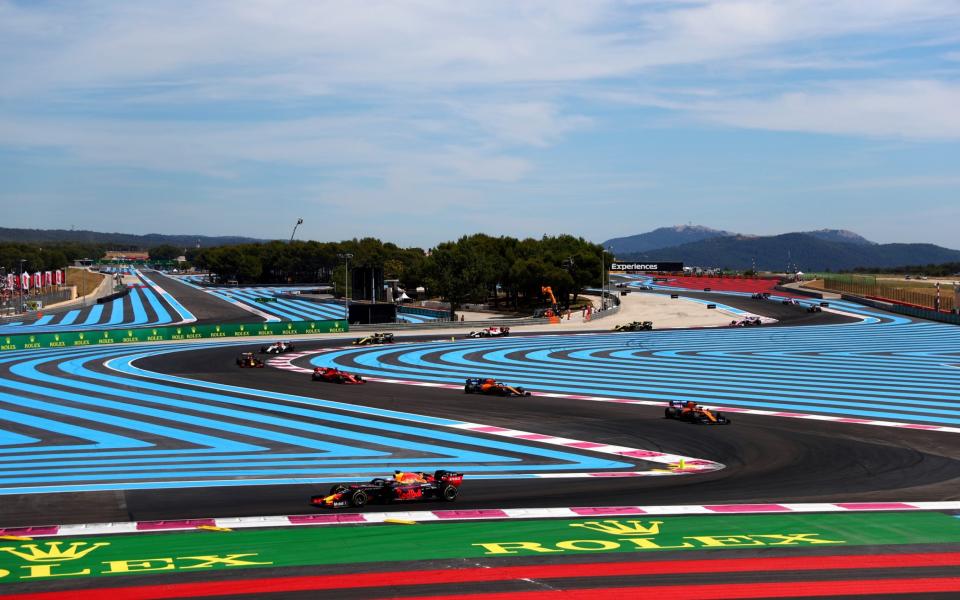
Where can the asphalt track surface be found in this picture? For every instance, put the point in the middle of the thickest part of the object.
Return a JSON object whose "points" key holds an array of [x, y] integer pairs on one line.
{"points": [[206, 307], [145, 306], [767, 458], [282, 308]]}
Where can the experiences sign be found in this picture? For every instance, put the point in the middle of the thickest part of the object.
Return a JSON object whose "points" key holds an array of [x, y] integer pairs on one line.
{"points": [[646, 267], [167, 334]]}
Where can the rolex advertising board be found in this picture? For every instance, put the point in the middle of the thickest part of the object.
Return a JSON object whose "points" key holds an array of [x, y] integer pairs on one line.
{"points": [[164, 334]]}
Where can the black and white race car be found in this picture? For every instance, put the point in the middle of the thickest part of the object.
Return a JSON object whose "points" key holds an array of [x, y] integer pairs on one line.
{"points": [[490, 332], [276, 348]]}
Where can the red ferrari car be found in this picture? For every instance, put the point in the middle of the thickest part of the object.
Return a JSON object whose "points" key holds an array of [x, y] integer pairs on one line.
{"points": [[335, 376]]}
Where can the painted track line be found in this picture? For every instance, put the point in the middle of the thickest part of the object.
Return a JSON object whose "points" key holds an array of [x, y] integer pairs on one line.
{"points": [[338, 518], [285, 363]]}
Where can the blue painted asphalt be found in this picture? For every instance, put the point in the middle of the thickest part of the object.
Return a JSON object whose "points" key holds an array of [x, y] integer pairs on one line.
{"points": [[868, 370], [143, 307], [160, 431]]}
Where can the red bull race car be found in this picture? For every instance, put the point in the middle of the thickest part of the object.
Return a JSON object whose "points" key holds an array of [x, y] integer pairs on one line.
{"points": [[248, 361], [492, 387], [402, 487], [691, 412], [333, 375]]}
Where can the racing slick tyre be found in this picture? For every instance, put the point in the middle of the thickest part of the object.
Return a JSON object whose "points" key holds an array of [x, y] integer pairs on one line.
{"points": [[670, 413], [449, 493], [359, 498]]}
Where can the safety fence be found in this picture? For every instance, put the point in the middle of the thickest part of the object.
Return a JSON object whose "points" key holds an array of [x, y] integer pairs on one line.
{"points": [[919, 296], [424, 312], [168, 334]]}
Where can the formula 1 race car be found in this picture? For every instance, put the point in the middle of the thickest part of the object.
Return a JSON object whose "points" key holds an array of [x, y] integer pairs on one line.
{"points": [[490, 332], [747, 322], [248, 361], [790, 301], [264, 299], [492, 387], [334, 375], [814, 308], [276, 348], [376, 338], [442, 485], [761, 296], [692, 412], [635, 326]]}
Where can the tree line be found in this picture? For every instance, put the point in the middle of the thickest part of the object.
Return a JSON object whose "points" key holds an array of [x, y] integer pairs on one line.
{"points": [[474, 268], [46, 256]]}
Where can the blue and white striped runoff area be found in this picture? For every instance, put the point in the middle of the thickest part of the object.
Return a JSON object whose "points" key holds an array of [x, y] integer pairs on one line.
{"points": [[147, 305], [283, 309], [69, 423], [882, 368]]}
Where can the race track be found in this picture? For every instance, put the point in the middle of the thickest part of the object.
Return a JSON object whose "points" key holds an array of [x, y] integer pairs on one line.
{"points": [[135, 432]]}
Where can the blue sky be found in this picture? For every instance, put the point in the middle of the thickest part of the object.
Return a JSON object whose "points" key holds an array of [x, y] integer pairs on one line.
{"points": [[421, 121]]}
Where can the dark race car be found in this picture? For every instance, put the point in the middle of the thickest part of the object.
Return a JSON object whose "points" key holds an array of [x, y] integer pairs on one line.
{"points": [[376, 338], [814, 308], [442, 485], [490, 332], [248, 361], [492, 387], [635, 326], [761, 296], [277, 348], [334, 375], [692, 412]]}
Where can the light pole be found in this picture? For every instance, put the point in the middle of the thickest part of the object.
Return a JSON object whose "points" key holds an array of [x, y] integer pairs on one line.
{"points": [[346, 256]]}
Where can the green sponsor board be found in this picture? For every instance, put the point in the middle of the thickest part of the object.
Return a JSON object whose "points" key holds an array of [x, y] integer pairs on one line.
{"points": [[185, 552], [165, 334]]}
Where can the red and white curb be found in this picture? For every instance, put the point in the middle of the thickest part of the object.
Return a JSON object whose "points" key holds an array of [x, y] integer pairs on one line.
{"points": [[286, 363], [444, 516]]}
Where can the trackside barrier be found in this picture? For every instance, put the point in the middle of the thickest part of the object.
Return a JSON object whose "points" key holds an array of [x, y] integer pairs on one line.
{"points": [[168, 334], [910, 311], [424, 312]]}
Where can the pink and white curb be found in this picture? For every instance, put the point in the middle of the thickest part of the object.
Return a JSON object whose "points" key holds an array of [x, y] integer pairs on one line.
{"points": [[331, 518], [286, 363]]}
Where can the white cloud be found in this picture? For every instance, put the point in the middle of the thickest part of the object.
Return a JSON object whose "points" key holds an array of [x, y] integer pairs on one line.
{"points": [[924, 110]]}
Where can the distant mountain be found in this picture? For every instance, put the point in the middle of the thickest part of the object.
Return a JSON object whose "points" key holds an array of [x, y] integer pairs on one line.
{"points": [[839, 235], [120, 239], [664, 237], [803, 251]]}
